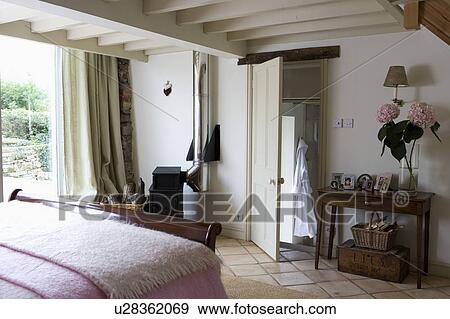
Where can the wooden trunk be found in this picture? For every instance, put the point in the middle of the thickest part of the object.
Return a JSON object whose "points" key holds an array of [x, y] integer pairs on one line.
{"points": [[392, 265]]}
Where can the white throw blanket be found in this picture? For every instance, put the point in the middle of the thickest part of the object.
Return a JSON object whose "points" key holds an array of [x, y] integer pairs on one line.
{"points": [[123, 260]]}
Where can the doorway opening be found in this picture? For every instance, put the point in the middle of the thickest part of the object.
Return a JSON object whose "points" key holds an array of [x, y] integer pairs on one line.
{"points": [[286, 136]]}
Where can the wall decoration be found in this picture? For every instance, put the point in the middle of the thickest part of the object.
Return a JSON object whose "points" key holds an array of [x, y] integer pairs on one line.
{"points": [[167, 88]]}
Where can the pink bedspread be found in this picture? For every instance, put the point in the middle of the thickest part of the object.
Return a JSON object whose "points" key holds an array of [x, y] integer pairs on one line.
{"points": [[26, 276]]}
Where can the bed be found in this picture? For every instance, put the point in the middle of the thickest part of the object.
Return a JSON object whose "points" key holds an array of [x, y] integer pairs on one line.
{"points": [[114, 254]]}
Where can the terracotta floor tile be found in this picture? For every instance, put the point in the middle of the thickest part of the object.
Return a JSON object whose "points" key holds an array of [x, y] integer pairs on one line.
{"points": [[224, 251], [426, 294], [254, 250], [232, 260], [445, 290], [248, 270], [323, 275], [392, 295], [309, 265], [314, 289], [351, 276], [267, 279], [294, 255], [226, 271], [337, 289], [292, 279], [410, 283], [332, 263], [365, 296], [262, 258], [246, 243], [372, 286], [275, 268], [435, 281]]}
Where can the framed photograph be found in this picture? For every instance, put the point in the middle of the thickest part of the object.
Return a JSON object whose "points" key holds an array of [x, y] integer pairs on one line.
{"points": [[369, 186], [336, 181], [349, 182], [362, 181], [383, 182]]}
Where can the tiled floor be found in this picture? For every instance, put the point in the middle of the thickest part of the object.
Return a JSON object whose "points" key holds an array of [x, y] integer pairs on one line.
{"points": [[296, 271]]}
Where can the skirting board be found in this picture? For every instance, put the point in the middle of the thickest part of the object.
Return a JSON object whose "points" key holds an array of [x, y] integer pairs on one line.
{"points": [[232, 233]]}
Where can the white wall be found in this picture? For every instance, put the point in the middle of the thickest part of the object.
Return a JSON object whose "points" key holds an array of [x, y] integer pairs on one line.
{"points": [[356, 92], [162, 140]]}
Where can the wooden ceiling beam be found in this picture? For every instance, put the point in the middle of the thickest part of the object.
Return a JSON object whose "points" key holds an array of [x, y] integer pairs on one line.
{"points": [[360, 20], [163, 6], [237, 8], [143, 45], [86, 31], [291, 15], [255, 45], [164, 50], [22, 30], [319, 53], [411, 15], [117, 38], [11, 13], [53, 23]]}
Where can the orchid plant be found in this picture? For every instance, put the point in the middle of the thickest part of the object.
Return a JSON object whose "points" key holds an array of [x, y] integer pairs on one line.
{"points": [[395, 136]]}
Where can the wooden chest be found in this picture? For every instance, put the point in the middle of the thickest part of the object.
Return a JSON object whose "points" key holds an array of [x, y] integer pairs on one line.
{"points": [[392, 265]]}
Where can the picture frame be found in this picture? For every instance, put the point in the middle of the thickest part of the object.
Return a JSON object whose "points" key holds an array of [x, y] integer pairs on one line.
{"points": [[362, 181], [369, 186], [337, 181], [348, 181], [383, 182]]}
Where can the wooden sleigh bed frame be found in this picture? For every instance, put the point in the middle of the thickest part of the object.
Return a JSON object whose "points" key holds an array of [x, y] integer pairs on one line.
{"points": [[203, 233]]}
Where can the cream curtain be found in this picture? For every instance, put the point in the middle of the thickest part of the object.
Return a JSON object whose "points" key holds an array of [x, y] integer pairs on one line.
{"points": [[93, 156]]}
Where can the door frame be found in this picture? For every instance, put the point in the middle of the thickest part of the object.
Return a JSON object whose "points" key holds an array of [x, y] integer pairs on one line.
{"points": [[322, 144]]}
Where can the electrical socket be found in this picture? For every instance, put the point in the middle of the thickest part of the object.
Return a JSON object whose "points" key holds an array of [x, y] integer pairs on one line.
{"points": [[337, 123], [347, 123]]}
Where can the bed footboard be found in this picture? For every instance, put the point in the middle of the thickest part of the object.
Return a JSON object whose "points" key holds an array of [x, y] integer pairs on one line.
{"points": [[205, 233]]}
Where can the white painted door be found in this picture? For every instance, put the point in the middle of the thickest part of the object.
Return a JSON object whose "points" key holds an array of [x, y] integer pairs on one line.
{"points": [[266, 133]]}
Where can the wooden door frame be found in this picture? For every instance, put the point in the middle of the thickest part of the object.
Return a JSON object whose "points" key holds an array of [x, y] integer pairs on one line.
{"points": [[322, 144]]}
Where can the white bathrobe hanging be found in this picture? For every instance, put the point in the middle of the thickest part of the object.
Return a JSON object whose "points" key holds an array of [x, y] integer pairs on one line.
{"points": [[305, 223]]}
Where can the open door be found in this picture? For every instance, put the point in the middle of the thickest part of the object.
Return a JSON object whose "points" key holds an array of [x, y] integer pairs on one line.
{"points": [[266, 131]]}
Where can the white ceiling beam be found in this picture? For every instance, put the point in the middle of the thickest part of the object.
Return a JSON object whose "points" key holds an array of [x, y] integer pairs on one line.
{"points": [[164, 50], [299, 14], [22, 30], [87, 31], [15, 13], [143, 45], [163, 6], [52, 23], [394, 10], [116, 38], [359, 20], [261, 45], [127, 17], [236, 9]]}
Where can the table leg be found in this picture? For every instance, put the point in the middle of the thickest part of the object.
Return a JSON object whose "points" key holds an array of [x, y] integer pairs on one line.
{"points": [[426, 243], [332, 231], [419, 250], [319, 233]]}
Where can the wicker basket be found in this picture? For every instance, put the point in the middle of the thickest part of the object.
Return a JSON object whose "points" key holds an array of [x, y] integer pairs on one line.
{"points": [[373, 239]]}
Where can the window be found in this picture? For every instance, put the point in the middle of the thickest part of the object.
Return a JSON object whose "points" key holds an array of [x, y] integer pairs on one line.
{"points": [[30, 117]]}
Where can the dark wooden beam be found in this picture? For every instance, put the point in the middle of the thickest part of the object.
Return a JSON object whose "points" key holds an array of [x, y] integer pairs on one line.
{"points": [[305, 54], [434, 15]]}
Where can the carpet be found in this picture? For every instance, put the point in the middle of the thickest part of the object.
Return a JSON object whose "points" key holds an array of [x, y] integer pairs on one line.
{"points": [[239, 288]]}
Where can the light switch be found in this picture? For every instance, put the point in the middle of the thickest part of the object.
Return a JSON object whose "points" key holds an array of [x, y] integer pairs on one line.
{"points": [[337, 123], [347, 123]]}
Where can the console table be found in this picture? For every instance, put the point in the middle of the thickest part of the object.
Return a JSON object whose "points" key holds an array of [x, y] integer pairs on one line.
{"points": [[391, 202]]}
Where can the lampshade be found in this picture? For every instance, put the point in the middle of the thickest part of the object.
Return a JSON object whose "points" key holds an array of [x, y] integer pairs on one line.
{"points": [[396, 77]]}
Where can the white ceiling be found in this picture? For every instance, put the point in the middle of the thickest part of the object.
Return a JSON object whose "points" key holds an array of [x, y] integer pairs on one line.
{"points": [[148, 27]]}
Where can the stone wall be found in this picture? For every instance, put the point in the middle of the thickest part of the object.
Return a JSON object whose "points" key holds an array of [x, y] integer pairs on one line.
{"points": [[126, 102]]}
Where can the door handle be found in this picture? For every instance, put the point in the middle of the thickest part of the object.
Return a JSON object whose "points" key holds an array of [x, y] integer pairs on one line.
{"points": [[281, 181]]}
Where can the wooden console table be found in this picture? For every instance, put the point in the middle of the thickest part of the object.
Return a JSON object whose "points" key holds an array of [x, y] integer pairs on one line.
{"points": [[391, 202]]}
